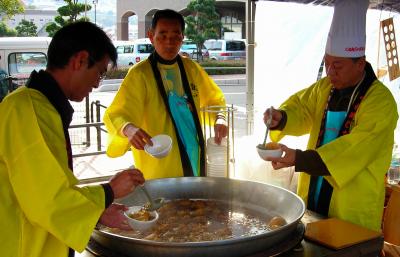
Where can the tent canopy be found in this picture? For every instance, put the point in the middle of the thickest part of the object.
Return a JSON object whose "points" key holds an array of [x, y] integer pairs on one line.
{"points": [[387, 5]]}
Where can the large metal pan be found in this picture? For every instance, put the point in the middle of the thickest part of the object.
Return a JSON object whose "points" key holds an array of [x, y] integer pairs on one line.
{"points": [[263, 197]]}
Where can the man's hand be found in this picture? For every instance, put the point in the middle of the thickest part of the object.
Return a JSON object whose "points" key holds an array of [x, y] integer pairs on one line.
{"points": [[125, 182], [113, 217], [287, 160], [137, 137], [276, 117]]}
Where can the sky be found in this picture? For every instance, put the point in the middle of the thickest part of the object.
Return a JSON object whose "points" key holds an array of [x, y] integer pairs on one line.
{"points": [[103, 5]]}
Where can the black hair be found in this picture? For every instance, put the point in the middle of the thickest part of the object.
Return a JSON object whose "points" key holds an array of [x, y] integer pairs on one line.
{"points": [[169, 15], [76, 37], [356, 59]]}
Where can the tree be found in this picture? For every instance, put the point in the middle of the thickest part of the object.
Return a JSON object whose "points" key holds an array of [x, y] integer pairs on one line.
{"points": [[71, 11], [26, 29], [203, 22], [10, 7], [5, 31]]}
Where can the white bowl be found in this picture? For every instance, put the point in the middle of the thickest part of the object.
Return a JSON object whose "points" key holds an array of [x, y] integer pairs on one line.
{"points": [[137, 224], [264, 153], [162, 145]]}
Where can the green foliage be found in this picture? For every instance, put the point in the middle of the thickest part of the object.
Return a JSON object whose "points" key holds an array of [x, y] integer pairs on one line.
{"points": [[71, 11], [10, 7], [5, 31], [203, 22], [120, 73], [26, 29], [224, 67]]}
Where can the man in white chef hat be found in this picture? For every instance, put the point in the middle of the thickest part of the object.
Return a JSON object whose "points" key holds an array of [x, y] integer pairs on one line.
{"points": [[350, 117]]}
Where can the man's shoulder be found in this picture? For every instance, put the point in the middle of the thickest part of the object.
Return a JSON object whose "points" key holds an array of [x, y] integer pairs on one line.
{"points": [[378, 87], [379, 95], [24, 97], [190, 63], [141, 68], [28, 102], [320, 87]]}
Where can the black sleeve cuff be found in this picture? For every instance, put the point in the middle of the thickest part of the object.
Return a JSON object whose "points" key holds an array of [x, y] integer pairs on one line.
{"points": [[311, 163], [282, 122], [108, 192]]}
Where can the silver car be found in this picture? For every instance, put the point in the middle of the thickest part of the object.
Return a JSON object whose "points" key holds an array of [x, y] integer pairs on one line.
{"points": [[220, 49], [132, 52]]}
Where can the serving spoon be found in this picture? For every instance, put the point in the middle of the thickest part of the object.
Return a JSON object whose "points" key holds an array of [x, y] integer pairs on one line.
{"points": [[268, 124], [152, 205]]}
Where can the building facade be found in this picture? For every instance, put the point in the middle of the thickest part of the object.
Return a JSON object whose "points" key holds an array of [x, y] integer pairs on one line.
{"points": [[39, 17], [232, 14]]}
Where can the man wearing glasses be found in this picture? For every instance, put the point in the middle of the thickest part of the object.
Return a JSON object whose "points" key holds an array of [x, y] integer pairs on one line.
{"points": [[43, 211]]}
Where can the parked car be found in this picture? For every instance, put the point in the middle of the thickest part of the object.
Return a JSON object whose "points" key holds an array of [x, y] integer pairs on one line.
{"points": [[220, 49], [19, 56], [189, 49], [131, 52]]}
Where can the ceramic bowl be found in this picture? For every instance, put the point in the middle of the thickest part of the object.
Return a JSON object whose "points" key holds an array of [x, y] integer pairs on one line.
{"points": [[264, 153], [136, 224], [162, 145]]}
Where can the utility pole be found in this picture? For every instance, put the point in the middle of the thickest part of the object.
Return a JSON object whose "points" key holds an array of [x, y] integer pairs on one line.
{"points": [[85, 9], [95, 2]]}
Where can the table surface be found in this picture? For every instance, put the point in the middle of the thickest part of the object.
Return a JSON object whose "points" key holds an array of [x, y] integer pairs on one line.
{"points": [[306, 248]]}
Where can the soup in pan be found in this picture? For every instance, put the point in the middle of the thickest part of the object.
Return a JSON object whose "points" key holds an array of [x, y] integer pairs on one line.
{"points": [[196, 220]]}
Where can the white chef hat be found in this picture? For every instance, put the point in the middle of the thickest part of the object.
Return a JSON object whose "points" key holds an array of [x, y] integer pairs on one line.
{"points": [[346, 36]]}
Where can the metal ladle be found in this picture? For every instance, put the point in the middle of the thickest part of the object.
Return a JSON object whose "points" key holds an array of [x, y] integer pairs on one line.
{"points": [[268, 124], [152, 205]]}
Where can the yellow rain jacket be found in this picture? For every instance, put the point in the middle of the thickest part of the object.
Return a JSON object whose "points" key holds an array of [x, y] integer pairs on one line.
{"points": [[357, 161], [139, 102], [42, 211]]}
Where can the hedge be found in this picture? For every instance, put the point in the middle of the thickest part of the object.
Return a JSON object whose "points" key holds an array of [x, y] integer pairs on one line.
{"points": [[209, 66]]}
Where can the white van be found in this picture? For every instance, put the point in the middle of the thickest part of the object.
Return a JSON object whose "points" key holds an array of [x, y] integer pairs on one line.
{"points": [[19, 56], [131, 52], [220, 49]]}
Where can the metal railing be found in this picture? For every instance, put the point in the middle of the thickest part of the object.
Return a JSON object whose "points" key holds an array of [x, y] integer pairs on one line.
{"points": [[95, 121]]}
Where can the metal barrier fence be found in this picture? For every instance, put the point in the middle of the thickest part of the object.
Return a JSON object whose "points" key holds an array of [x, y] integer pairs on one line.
{"points": [[87, 119]]}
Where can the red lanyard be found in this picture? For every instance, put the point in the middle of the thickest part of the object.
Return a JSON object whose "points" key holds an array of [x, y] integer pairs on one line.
{"points": [[345, 128]]}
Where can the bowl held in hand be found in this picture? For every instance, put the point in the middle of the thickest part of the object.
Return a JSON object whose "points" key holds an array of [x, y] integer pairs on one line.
{"points": [[162, 145]]}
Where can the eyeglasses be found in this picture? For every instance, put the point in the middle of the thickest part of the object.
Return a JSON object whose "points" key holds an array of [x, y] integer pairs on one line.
{"points": [[102, 73]]}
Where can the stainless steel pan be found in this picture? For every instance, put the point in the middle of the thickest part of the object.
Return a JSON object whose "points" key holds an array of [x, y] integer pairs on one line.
{"points": [[263, 197]]}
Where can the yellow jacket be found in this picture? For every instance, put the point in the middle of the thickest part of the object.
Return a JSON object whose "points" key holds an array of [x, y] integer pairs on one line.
{"points": [[42, 211], [358, 161], [139, 102]]}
